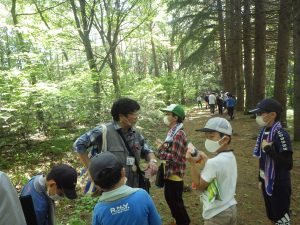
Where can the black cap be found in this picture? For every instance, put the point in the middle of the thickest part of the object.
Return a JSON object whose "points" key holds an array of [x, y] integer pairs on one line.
{"points": [[65, 178], [267, 105], [102, 161]]}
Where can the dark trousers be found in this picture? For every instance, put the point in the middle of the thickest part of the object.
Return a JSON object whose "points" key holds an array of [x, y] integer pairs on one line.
{"points": [[220, 107], [173, 195], [199, 104], [212, 108], [278, 205], [230, 112]]}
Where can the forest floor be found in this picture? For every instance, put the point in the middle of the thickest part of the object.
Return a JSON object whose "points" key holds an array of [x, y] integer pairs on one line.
{"points": [[250, 203], [21, 165]]}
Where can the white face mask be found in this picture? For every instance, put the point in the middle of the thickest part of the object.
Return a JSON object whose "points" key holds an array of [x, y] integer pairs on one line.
{"points": [[212, 146], [260, 121], [166, 120], [55, 197]]}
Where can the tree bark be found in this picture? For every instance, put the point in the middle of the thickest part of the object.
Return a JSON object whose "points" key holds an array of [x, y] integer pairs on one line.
{"points": [[248, 71], [296, 23], [154, 56], [229, 81], [282, 55], [15, 21], [259, 78], [238, 57], [296, 41], [84, 32], [222, 45]]}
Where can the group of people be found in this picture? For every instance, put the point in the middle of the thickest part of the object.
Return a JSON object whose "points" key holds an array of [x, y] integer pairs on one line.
{"points": [[113, 165], [220, 100]]}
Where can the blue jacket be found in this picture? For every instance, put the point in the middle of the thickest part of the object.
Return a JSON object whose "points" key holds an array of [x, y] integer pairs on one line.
{"points": [[41, 201], [230, 102], [134, 209]]}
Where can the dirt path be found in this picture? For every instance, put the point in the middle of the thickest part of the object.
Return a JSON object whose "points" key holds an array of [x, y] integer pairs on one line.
{"points": [[250, 204]]}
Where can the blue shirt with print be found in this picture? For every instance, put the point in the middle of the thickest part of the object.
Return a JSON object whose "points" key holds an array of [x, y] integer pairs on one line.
{"points": [[135, 209]]}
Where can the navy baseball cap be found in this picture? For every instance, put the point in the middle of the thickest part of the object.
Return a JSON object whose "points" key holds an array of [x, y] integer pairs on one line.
{"points": [[65, 177], [267, 105]]}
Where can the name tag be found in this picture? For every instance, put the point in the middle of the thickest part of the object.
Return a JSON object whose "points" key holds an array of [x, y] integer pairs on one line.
{"points": [[130, 161]]}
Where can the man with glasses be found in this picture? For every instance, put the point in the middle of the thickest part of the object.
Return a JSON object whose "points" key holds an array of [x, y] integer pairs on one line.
{"points": [[120, 138], [44, 190]]}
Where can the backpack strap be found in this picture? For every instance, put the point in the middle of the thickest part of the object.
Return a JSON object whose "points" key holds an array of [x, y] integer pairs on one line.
{"points": [[104, 139]]}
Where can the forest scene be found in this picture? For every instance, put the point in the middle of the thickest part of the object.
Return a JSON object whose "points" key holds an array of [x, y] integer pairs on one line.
{"points": [[63, 63]]}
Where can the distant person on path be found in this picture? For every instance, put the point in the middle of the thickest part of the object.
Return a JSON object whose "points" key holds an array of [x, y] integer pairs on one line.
{"points": [[122, 139], [230, 104], [206, 100], [44, 190], [119, 204], [199, 101], [10, 208], [274, 150], [220, 104], [217, 181], [172, 150], [212, 102], [225, 97]]}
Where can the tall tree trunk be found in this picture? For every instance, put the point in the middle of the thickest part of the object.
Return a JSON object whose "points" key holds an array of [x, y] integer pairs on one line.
{"points": [[222, 45], [282, 55], [115, 73], [259, 77], [83, 29], [229, 79], [182, 78], [248, 71], [239, 57], [229, 82], [296, 21], [15, 21], [154, 56], [170, 60]]}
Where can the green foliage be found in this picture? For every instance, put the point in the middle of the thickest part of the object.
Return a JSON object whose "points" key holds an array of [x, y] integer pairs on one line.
{"points": [[81, 213]]}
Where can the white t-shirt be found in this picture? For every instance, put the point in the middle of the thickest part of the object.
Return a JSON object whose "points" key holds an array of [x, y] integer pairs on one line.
{"points": [[212, 99], [222, 167]]}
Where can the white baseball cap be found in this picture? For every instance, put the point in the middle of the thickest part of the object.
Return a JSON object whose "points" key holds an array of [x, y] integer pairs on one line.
{"points": [[217, 124]]}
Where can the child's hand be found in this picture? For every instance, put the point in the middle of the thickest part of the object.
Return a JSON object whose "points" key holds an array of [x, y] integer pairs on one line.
{"points": [[188, 156], [191, 155], [265, 143], [158, 143], [203, 156]]}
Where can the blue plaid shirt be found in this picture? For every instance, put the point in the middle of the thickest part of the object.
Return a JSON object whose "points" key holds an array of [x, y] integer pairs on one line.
{"points": [[93, 139]]}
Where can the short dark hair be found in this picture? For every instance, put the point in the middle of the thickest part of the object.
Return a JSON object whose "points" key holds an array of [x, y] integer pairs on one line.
{"points": [[278, 115], [179, 119], [124, 106], [108, 177]]}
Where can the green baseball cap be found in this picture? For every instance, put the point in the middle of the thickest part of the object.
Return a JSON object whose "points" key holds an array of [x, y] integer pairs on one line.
{"points": [[176, 109]]}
